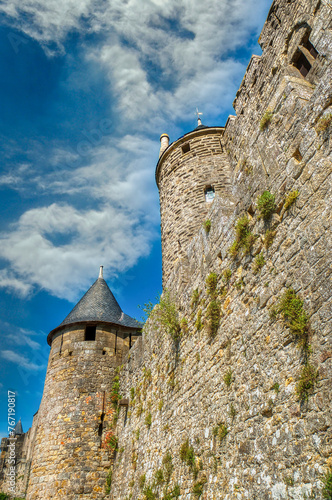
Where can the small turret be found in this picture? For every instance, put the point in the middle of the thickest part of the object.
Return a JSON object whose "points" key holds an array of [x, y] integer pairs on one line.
{"points": [[190, 172], [164, 143]]}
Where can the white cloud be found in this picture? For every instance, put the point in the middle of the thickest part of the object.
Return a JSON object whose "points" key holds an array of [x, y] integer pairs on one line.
{"points": [[162, 59], [22, 336], [106, 236], [59, 247], [20, 360], [9, 280]]}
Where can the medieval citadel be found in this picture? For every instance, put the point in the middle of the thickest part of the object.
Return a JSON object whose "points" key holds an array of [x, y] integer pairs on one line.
{"points": [[226, 393]]}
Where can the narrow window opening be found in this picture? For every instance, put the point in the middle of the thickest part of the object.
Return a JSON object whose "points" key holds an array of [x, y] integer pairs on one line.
{"points": [[302, 64], [116, 341], [90, 333], [101, 425], [61, 344], [308, 45], [209, 194], [130, 341], [186, 148]]}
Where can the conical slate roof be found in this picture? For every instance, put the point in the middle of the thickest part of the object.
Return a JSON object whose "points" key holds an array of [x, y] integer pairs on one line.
{"points": [[98, 304], [18, 428]]}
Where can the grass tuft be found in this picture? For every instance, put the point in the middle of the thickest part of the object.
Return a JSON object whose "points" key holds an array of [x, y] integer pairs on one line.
{"points": [[228, 377], [327, 482], [268, 238], [290, 199], [306, 382], [197, 489], [266, 119], [187, 454], [194, 298], [211, 284], [259, 262], [213, 317], [207, 226]]}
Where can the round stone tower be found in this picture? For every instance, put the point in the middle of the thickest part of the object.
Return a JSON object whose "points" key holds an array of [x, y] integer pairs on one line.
{"points": [[71, 459], [190, 173]]}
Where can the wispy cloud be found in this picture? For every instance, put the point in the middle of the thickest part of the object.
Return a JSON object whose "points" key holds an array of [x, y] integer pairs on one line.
{"points": [[9, 281], [161, 60], [20, 360], [22, 336]]}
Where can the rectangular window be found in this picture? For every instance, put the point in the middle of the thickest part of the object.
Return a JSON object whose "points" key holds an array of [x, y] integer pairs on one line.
{"points": [[186, 148], [308, 45], [209, 194], [302, 64], [90, 333]]}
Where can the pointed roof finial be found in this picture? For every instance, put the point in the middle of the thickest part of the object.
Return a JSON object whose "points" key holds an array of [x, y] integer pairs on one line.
{"points": [[101, 272], [198, 117]]}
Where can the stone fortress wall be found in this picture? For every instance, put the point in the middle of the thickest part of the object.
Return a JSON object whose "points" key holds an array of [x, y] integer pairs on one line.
{"points": [[218, 415], [233, 396]]}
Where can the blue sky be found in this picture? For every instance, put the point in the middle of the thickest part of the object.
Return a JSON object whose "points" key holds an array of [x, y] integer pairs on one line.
{"points": [[87, 87]]}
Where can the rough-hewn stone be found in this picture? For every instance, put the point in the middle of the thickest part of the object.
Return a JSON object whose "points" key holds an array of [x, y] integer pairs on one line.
{"points": [[232, 395]]}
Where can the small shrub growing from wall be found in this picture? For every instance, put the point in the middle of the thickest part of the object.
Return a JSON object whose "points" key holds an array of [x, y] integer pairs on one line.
{"points": [[169, 317], [266, 204], [244, 238], [291, 308], [149, 494], [108, 482], [141, 481], [198, 323], [148, 420], [220, 431], [159, 477], [184, 325], [226, 275], [168, 466]]}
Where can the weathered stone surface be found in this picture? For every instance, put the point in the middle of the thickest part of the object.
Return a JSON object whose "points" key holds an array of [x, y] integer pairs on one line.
{"points": [[233, 395]]}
